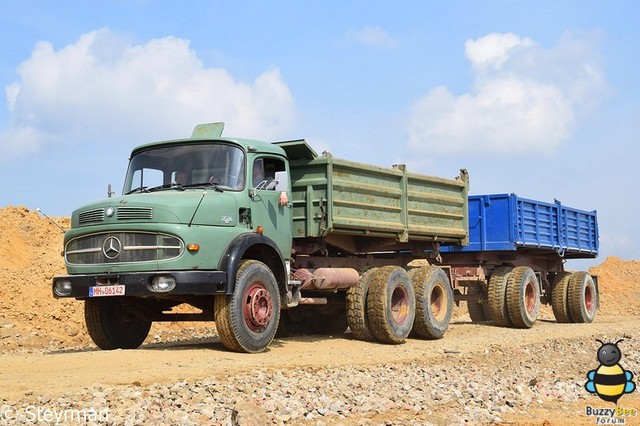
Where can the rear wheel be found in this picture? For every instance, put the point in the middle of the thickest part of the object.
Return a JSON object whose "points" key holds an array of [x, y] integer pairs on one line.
{"points": [[478, 308], [583, 297], [560, 297], [357, 307], [434, 302], [115, 323], [497, 296], [391, 304], [523, 297], [248, 319]]}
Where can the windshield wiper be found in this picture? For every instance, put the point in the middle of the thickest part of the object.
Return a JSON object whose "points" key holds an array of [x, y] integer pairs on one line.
{"points": [[167, 186], [138, 189], [203, 184]]}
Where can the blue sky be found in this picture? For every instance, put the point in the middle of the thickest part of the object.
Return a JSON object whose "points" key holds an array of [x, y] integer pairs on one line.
{"points": [[539, 98]]}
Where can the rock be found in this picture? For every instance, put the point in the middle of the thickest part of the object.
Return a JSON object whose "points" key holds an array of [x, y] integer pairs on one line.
{"points": [[247, 414]]}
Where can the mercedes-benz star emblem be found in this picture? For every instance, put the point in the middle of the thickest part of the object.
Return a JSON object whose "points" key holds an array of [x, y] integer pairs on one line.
{"points": [[111, 247]]}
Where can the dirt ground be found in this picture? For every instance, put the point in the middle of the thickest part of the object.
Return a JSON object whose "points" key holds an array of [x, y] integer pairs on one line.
{"points": [[40, 337]]}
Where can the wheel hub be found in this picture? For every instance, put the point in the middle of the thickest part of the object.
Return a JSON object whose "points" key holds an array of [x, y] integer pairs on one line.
{"points": [[258, 307], [588, 299], [399, 305], [530, 298], [438, 303]]}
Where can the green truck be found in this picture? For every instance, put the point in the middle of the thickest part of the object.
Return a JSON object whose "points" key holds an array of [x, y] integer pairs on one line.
{"points": [[264, 238]]}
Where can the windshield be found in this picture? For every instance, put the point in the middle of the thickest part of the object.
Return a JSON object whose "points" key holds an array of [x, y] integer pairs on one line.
{"points": [[179, 166]]}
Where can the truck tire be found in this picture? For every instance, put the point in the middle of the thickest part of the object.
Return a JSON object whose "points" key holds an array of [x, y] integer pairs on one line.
{"points": [[478, 309], [583, 297], [560, 297], [248, 319], [434, 301], [391, 304], [497, 296], [112, 325], [523, 297], [357, 307]]}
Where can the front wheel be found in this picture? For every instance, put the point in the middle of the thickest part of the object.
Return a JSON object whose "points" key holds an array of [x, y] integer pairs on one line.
{"points": [[247, 320], [115, 323]]}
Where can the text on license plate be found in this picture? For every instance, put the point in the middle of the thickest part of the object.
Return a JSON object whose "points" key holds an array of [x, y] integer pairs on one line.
{"points": [[106, 290]]}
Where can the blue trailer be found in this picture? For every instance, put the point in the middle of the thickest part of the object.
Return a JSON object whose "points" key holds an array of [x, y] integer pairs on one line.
{"points": [[515, 260], [506, 222]]}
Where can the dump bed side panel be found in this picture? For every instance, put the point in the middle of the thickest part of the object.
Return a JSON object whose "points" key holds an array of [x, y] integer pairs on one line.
{"points": [[331, 195], [508, 222]]}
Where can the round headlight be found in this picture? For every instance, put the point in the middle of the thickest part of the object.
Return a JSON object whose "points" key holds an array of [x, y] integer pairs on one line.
{"points": [[163, 283], [62, 287]]}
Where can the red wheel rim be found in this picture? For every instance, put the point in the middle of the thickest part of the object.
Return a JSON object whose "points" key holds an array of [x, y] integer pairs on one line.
{"points": [[530, 297], [399, 305], [588, 299], [438, 303], [258, 306]]}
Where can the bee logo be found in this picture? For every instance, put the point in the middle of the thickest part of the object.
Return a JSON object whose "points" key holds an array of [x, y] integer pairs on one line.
{"points": [[609, 381]]}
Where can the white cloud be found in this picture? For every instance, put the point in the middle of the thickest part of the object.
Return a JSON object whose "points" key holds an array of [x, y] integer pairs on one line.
{"points": [[371, 36], [493, 49], [523, 98], [103, 87]]}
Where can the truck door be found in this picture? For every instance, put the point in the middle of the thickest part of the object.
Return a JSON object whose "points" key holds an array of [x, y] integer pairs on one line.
{"points": [[266, 210]]}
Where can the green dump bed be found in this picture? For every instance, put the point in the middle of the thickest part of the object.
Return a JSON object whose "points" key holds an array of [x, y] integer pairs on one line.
{"points": [[334, 196]]}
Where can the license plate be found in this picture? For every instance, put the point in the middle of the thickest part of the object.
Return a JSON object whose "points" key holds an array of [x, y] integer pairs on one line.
{"points": [[106, 290]]}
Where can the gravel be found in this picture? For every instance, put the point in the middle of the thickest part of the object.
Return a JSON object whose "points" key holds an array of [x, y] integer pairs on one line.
{"points": [[474, 388]]}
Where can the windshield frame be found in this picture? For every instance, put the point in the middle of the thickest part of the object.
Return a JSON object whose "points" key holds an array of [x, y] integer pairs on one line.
{"points": [[208, 163]]}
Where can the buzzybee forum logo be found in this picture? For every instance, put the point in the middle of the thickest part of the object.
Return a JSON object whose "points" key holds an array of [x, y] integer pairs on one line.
{"points": [[610, 381]]}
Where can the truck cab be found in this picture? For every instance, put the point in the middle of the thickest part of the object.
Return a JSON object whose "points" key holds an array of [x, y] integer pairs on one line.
{"points": [[191, 213]]}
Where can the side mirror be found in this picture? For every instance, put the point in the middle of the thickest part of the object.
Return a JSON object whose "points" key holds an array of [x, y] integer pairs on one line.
{"points": [[282, 179]]}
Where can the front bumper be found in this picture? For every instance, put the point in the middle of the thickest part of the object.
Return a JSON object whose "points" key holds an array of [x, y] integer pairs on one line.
{"points": [[138, 284]]}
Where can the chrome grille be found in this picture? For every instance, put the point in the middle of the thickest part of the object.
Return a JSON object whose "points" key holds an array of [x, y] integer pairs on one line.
{"points": [[122, 247], [127, 213], [88, 216]]}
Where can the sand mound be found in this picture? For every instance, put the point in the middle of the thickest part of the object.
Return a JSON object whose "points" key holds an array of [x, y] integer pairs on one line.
{"points": [[30, 255], [619, 285]]}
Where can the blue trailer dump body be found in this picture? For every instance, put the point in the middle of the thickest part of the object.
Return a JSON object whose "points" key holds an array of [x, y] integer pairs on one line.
{"points": [[506, 222]]}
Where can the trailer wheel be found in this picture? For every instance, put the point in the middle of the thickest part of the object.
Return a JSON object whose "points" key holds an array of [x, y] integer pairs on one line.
{"points": [[583, 297], [357, 307], [391, 304], [113, 324], [434, 302], [523, 297], [478, 309], [497, 296], [248, 319], [560, 297]]}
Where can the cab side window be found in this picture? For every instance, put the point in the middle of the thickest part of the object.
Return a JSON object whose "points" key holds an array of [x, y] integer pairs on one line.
{"points": [[264, 172]]}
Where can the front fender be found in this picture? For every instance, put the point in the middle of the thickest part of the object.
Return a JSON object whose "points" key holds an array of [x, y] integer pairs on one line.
{"points": [[257, 247]]}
